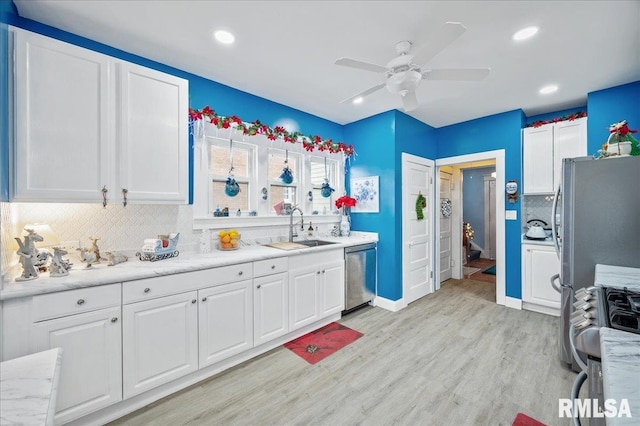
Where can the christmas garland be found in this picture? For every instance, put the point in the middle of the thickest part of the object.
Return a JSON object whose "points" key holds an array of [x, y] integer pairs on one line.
{"points": [[309, 143], [569, 117]]}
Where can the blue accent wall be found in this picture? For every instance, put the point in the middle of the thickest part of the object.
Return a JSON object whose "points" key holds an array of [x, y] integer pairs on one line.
{"points": [[610, 106], [499, 131], [473, 200]]}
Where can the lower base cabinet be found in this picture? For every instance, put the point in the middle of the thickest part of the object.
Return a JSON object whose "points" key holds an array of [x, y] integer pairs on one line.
{"points": [[91, 370], [159, 341], [271, 307], [539, 264]]}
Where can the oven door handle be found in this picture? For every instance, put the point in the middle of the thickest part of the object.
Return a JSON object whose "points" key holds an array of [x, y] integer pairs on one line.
{"points": [[553, 280], [575, 394]]}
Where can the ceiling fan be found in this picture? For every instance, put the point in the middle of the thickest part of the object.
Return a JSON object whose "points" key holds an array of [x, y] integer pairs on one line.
{"points": [[404, 73]]}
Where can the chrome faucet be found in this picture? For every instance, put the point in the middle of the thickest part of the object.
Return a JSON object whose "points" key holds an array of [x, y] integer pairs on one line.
{"points": [[292, 233]]}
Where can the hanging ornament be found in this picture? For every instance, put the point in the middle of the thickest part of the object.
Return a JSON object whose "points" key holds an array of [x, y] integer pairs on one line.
{"points": [[421, 203], [231, 188], [326, 189], [286, 176]]}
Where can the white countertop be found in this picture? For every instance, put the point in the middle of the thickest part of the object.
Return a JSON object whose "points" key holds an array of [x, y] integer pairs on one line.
{"points": [[546, 242], [617, 276], [28, 388], [620, 352], [135, 269]]}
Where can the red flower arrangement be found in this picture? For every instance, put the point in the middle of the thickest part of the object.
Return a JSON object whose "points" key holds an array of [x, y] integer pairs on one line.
{"points": [[345, 201]]}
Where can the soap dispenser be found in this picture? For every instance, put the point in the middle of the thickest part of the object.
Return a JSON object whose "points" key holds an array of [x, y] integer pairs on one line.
{"points": [[310, 229]]}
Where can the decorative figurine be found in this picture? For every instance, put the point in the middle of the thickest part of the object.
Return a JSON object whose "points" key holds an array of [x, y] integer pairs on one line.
{"points": [[59, 266], [94, 248], [28, 255], [115, 258], [87, 257], [160, 248]]}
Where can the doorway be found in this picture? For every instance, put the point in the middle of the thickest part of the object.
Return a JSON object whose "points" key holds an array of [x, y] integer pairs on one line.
{"points": [[455, 165]]}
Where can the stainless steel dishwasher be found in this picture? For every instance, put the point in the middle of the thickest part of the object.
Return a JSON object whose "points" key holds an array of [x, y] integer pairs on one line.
{"points": [[360, 275]]}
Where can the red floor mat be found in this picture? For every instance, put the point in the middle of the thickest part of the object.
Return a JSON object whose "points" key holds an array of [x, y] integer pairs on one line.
{"points": [[319, 344], [524, 420]]}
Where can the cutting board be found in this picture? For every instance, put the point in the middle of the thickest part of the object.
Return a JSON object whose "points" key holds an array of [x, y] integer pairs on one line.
{"points": [[286, 245]]}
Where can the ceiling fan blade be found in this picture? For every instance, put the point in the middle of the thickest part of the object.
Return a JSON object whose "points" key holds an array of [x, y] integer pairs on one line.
{"points": [[438, 41], [347, 62], [365, 93], [460, 74], [409, 101]]}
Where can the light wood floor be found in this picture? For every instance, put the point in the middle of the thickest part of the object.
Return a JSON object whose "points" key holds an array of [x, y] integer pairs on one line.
{"points": [[451, 358], [482, 264]]}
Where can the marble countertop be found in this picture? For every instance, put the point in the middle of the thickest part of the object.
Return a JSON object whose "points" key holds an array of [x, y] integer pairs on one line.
{"points": [[621, 372], [546, 242], [28, 388], [618, 277], [135, 269]]}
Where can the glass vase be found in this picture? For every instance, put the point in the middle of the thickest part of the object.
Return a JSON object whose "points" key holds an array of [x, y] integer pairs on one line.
{"points": [[345, 223]]}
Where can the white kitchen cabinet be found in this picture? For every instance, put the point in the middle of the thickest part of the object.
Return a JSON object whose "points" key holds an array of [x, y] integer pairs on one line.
{"points": [[159, 341], [91, 370], [544, 148], [85, 121], [271, 307], [315, 292], [225, 321], [539, 264]]}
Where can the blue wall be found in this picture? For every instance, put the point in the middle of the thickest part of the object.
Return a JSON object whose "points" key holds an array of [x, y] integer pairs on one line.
{"points": [[473, 200], [609, 106], [500, 131]]}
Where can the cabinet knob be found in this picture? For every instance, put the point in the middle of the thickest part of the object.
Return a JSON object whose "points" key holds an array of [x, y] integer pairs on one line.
{"points": [[258, 286], [323, 271], [240, 273], [80, 302], [204, 299], [318, 272], [147, 290], [273, 266], [114, 319], [194, 301]]}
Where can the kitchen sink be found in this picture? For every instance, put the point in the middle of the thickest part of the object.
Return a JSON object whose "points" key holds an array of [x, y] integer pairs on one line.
{"points": [[297, 245], [314, 243]]}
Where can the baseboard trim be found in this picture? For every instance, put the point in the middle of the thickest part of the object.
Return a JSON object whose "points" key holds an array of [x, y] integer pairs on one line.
{"points": [[513, 303], [388, 304]]}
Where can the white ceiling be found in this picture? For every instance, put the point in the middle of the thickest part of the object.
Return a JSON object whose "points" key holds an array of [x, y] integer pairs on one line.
{"points": [[285, 50]]}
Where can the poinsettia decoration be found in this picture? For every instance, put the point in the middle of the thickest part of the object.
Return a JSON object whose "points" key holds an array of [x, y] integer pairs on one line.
{"points": [[309, 143], [345, 201], [569, 117]]}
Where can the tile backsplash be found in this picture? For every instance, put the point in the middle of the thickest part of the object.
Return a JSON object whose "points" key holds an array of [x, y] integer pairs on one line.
{"points": [[537, 207]]}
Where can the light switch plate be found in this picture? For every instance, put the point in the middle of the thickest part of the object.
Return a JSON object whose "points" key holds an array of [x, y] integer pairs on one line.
{"points": [[511, 214]]}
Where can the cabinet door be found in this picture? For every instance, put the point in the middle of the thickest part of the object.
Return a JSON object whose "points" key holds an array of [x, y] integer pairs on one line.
{"points": [[64, 120], [332, 289], [303, 296], [569, 141], [540, 264], [152, 135], [537, 155], [271, 308], [160, 341], [91, 370], [225, 321]]}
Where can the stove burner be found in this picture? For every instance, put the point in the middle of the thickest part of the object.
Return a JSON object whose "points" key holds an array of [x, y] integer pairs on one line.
{"points": [[623, 309]]}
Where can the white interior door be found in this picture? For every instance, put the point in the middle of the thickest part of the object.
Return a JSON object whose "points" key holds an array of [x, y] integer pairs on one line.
{"points": [[445, 228], [417, 258]]}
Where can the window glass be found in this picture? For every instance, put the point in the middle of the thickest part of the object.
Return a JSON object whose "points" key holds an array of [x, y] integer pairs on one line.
{"points": [[221, 158], [220, 200], [318, 172], [283, 193], [276, 164]]}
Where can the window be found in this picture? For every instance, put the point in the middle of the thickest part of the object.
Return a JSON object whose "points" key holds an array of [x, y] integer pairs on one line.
{"points": [[219, 164], [278, 190], [318, 173]]}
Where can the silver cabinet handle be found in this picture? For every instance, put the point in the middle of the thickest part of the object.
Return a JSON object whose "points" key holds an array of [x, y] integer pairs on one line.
{"points": [[318, 272], [194, 301], [114, 319], [258, 286], [147, 290], [240, 273], [323, 271], [204, 299], [273, 266], [80, 302]]}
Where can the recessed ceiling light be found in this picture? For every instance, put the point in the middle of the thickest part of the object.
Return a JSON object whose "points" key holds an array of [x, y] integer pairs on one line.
{"points": [[224, 37], [546, 90], [358, 100], [525, 33]]}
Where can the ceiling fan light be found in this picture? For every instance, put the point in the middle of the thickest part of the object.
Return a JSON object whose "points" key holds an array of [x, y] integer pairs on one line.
{"points": [[403, 82]]}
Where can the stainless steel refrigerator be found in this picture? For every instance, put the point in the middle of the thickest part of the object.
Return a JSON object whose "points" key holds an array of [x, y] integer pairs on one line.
{"points": [[600, 223]]}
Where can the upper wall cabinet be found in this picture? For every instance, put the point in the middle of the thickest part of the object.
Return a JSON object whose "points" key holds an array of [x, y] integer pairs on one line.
{"points": [[543, 150], [86, 121]]}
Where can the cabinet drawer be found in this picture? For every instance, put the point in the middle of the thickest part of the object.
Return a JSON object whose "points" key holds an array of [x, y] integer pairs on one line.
{"points": [[71, 302], [150, 288], [270, 266]]}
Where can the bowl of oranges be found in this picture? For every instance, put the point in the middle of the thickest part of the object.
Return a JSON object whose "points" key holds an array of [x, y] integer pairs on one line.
{"points": [[228, 240]]}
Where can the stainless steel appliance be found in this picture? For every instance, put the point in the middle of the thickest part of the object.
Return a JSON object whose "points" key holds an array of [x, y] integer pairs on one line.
{"points": [[600, 223], [360, 275]]}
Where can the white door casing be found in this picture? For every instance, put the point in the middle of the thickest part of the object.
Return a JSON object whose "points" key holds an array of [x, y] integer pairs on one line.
{"points": [[417, 235], [444, 184]]}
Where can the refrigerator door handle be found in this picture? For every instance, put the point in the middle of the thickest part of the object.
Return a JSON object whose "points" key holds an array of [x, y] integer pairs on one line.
{"points": [[553, 280], [554, 227], [575, 394]]}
